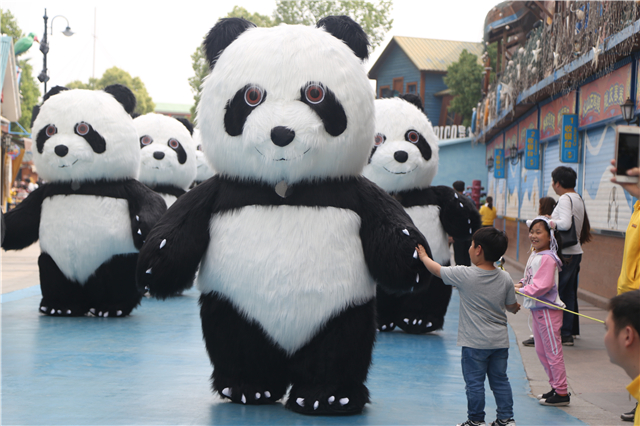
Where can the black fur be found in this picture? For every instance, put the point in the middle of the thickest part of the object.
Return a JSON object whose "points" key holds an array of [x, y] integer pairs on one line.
{"points": [[422, 144], [180, 152], [93, 138], [186, 123], [413, 99], [237, 111], [347, 30], [123, 95], [54, 91], [329, 110], [222, 35]]}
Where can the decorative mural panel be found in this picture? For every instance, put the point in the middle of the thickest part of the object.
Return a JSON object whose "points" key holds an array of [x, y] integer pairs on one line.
{"points": [[510, 139], [496, 143], [608, 206], [530, 189], [601, 99], [529, 122], [500, 198], [551, 115], [551, 160], [513, 189]]}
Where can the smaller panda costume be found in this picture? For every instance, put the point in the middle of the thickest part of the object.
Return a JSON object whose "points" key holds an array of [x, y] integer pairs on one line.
{"points": [[204, 169], [403, 162], [167, 155], [92, 216]]}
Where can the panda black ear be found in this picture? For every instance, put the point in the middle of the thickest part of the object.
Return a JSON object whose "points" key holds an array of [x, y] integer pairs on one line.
{"points": [[413, 99], [124, 95], [222, 35], [347, 30], [34, 113], [186, 124], [54, 91]]}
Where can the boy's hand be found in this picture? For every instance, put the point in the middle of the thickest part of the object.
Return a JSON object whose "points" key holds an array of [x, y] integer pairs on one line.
{"points": [[517, 286], [432, 266], [422, 253]]}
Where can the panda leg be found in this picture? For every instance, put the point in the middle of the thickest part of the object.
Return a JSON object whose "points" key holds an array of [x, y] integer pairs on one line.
{"points": [[424, 311], [328, 374], [387, 306], [112, 289], [248, 367], [60, 295]]}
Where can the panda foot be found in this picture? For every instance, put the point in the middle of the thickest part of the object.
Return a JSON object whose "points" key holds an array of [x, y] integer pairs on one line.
{"points": [[110, 313], [420, 325], [61, 311], [250, 395], [319, 401], [387, 326]]}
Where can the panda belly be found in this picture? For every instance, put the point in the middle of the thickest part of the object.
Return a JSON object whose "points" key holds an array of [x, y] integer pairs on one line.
{"points": [[168, 199], [427, 219], [81, 232], [289, 268]]}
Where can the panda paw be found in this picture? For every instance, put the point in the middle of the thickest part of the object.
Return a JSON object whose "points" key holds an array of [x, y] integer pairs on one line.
{"points": [[109, 313], [314, 400], [386, 326], [419, 325], [251, 395], [61, 311]]}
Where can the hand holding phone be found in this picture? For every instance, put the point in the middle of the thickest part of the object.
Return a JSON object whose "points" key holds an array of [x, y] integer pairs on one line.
{"points": [[627, 153]]}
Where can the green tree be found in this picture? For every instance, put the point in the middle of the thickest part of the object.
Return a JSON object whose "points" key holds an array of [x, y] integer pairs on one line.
{"points": [[374, 18], [464, 78], [115, 75], [256, 18], [29, 90]]}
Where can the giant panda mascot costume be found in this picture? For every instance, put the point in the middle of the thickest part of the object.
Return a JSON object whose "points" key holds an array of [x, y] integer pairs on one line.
{"points": [[91, 216], [290, 239], [403, 162], [203, 170], [167, 155]]}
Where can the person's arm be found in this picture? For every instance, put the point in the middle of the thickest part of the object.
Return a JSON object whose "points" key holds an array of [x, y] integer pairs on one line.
{"points": [[562, 214], [513, 308], [433, 266], [631, 188]]}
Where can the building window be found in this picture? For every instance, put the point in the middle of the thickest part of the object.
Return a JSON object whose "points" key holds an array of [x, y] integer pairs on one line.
{"points": [[385, 92], [412, 88]]}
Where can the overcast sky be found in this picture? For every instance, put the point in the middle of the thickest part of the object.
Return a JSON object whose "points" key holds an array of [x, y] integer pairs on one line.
{"points": [[154, 40]]}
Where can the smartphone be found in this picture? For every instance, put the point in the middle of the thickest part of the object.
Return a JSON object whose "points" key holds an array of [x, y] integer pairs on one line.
{"points": [[627, 152]]}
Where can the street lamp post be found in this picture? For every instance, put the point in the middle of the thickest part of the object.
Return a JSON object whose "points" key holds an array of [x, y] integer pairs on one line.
{"points": [[44, 47], [627, 112]]}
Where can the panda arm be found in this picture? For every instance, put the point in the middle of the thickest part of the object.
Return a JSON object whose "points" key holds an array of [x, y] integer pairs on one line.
{"points": [[170, 256], [458, 213], [23, 222], [389, 241], [145, 208]]}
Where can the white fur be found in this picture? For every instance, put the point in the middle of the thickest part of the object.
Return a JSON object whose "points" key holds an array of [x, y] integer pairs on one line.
{"points": [[168, 199], [121, 160], [81, 232], [204, 169], [427, 219], [282, 60], [290, 268], [168, 170], [393, 118]]}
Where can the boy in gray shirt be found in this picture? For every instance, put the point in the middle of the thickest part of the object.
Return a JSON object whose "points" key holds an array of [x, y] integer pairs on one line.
{"points": [[485, 292]]}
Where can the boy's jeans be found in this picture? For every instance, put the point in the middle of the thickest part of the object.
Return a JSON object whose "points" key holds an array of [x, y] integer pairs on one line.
{"points": [[478, 363]]}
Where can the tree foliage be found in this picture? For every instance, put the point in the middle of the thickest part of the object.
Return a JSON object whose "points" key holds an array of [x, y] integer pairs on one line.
{"points": [[29, 90], [115, 75], [374, 18], [464, 79]]}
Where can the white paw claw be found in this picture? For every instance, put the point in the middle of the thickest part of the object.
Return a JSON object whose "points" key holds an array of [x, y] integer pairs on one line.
{"points": [[461, 205], [406, 320], [415, 254], [417, 277], [267, 394], [415, 322], [53, 311], [137, 217], [93, 311], [405, 232], [68, 311], [419, 322], [391, 325], [226, 392], [331, 399], [429, 324], [163, 243], [258, 395], [43, 308], [300, 402], [59, 311], [316, 405], [139, 232], [149, 271], [106, 314], [118, 313], [243, 399], [344, 401], [384, 327]]}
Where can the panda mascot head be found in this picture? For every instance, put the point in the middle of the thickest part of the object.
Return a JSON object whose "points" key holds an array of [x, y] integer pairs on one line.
{"points": [[167, 151], [86, 135], [405, 153], [203, 170], [274, 109]]}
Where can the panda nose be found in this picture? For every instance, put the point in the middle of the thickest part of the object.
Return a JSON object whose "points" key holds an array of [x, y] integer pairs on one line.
{"points": [[282, 136], [158, 155], [400, 156], [61, 150]]}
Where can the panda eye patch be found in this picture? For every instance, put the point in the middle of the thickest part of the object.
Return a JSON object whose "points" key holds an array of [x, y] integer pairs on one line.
{"points": [[43, 135], [412, 136], [324, 103], [177, 147], [145, 140], [82, 128], [314, 93], [380, 139], [240, 106], [93, 138]]}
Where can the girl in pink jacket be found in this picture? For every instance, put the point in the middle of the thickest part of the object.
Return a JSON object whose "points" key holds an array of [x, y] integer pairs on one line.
{"points": [[541, 281]]}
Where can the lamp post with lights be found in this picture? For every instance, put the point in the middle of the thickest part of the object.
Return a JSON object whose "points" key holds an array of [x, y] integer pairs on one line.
{"points": [[43, 77]]}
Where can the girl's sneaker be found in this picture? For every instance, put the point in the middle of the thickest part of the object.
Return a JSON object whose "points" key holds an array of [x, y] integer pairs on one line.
{"points": [[556, 400], [472, 423], [546, 395], [505, 422]]}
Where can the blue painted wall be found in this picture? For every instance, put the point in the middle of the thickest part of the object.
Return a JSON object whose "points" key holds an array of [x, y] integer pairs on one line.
{"points": [[399, 65], [461, 161]]}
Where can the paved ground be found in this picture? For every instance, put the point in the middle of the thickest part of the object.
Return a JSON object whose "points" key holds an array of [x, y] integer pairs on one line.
{"points": [[41, 357]]}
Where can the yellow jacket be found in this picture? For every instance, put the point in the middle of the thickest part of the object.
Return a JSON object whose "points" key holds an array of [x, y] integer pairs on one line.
{"points": [[629, 278], [488, 215], [634, 390]]}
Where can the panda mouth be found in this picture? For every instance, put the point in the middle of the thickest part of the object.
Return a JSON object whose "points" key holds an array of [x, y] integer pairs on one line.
{"points": [[284, 159], [400, 173], [68, 165]]}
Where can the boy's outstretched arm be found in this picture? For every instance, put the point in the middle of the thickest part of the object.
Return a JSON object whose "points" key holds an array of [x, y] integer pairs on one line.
{"points": [[514, 308], [432, 266]]}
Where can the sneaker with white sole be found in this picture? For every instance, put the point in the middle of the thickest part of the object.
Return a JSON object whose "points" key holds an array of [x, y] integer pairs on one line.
{"points": [[546, 395], [556, 400], [472, 423], [504, 422]]}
